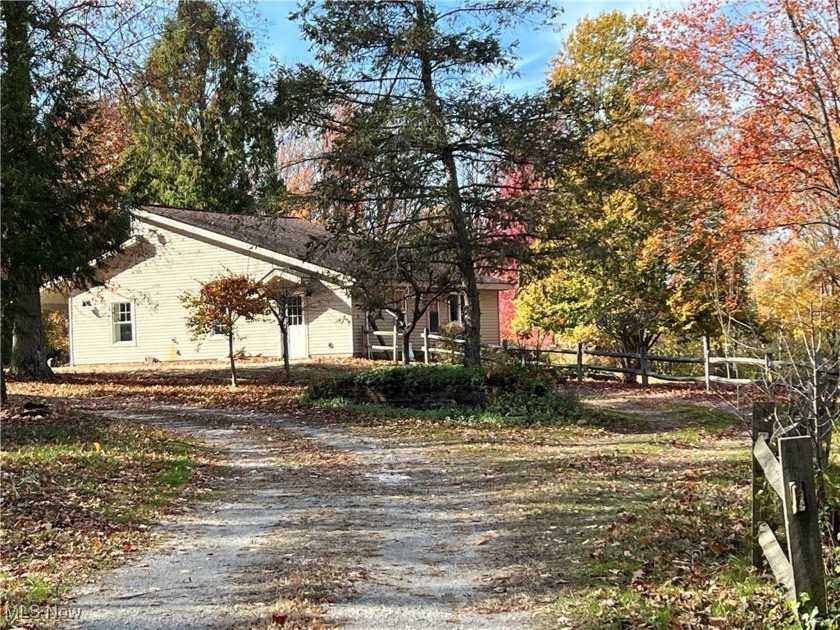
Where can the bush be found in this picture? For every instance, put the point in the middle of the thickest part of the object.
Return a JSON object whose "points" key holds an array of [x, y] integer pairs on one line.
{"points": [[533, 409], [520, 378], [418, 386], [506, 393]]}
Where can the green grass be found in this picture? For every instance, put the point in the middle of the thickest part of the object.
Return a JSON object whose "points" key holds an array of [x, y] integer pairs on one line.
{"points": [[79, 493]]}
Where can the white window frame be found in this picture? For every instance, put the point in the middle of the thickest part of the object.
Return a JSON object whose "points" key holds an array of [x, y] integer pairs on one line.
{"points": [[299, 315], [115, 340], [216, 333], [460, 299]]}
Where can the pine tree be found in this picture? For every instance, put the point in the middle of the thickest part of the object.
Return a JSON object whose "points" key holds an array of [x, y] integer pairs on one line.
{"points": [[198, 131], [417, 131]]}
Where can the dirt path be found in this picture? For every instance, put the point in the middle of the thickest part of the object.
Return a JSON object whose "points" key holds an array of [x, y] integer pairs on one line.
{"points": [[377, 528]]}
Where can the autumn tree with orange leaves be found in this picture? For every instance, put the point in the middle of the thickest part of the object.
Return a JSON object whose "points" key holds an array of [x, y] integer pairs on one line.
{"points": [[754, 91], [753, 94], [219, 305]]}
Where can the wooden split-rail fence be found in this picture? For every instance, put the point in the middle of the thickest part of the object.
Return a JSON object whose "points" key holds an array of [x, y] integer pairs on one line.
{"points": [[725, 370], [784, 500]]}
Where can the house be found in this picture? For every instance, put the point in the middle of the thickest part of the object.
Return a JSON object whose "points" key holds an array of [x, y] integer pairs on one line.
{"points": [[135, 314]]}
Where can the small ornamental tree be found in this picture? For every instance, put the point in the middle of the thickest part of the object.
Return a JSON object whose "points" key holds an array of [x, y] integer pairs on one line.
{"points": [[219, 304], [277, 295]]}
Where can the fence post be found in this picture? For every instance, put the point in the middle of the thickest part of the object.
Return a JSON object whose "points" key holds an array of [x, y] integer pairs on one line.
{"points": [[707, 355], [394, 344], [802, 519], [425, 345], [579, 362], [762, 414], [643, 366], [366, 338]]}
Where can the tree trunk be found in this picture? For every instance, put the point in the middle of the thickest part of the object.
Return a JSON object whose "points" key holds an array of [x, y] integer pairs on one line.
{"points": [[460, 229], [29, 357], [284, 337], [472, 320], [232, 360], [406, 342], [4, 396], [629, 345]]}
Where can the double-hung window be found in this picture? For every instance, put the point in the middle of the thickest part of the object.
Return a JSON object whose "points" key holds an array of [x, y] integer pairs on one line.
{"points": [[122, 316], [218, 327]]}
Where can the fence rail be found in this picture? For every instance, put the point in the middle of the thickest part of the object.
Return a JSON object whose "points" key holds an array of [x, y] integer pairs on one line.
{"points": [[634, 363]]}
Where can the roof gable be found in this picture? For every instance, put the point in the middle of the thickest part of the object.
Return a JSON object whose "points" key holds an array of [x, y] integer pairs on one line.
{"points": [[289, 236]]}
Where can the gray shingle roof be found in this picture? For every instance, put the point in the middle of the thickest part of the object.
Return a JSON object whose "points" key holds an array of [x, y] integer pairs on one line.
{"points": [[290, 236], [284, 235]]}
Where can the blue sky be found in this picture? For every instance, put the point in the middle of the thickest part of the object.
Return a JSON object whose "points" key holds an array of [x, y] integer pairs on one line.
{"points": [[278, 37]]}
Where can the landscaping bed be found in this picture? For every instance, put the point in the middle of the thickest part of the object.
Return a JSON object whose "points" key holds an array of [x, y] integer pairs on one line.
{"points": [[510, 394]]}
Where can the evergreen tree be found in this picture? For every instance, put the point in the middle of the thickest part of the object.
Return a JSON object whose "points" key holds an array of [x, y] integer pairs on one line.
{"points": [[199, 134], [404, 90], [59, 194]]}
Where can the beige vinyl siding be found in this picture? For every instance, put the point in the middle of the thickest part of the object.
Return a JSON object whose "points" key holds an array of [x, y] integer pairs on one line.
{"points": [[153, 275], [328, 321], [490, 317]]}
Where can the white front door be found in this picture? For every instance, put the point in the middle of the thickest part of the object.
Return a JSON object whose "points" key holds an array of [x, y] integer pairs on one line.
{"points": [[296, 327]]}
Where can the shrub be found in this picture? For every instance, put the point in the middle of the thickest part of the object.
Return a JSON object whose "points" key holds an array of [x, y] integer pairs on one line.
{"points": [[417, 386], [515, 377], [507, 393], [529, 408], [343, 386]]}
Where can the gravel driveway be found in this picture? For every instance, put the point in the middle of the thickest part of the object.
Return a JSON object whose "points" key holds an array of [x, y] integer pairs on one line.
{"points": [[387, 535]]}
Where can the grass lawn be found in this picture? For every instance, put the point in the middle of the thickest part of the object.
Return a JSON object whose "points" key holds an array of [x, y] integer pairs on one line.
{"points": [[80, 492], [636, 515]]}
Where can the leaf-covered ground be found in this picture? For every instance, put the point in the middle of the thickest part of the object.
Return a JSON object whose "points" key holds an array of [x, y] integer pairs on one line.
{"points": [[636, 519], [81, 492]]}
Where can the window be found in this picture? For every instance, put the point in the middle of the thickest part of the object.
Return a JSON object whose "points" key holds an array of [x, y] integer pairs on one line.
{"points": [[123, 320], [294, 310], [456, 303], [218, 327], [434, 317]]}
